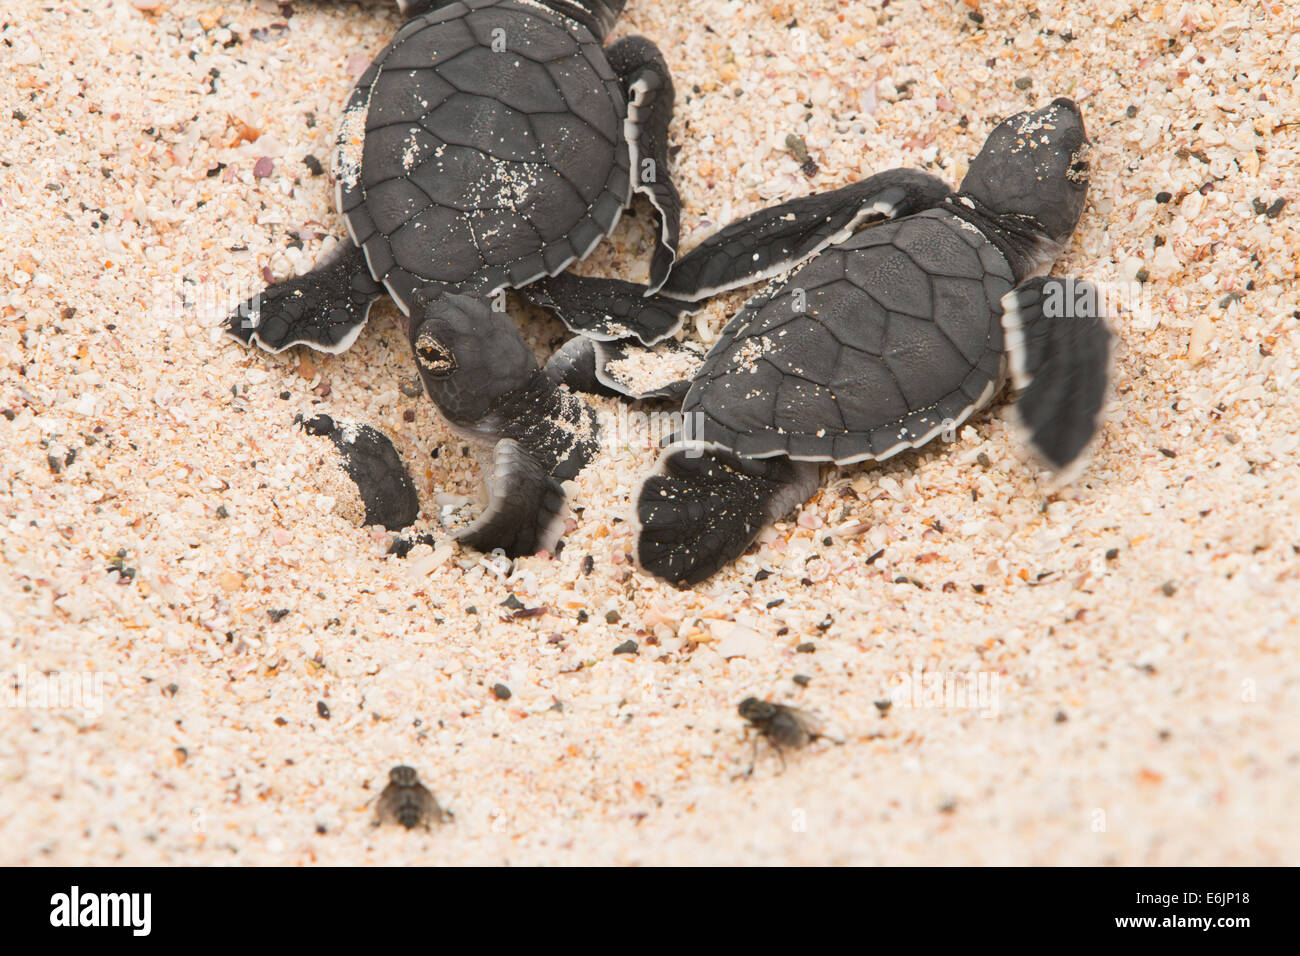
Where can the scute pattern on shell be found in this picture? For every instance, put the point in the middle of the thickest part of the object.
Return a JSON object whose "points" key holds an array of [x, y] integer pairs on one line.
{"points": [[486, 167], [900, 333]]}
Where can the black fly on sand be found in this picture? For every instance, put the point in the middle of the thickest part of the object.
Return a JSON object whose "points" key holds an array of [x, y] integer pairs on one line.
{"points": [[782, 725], [407, 801]]}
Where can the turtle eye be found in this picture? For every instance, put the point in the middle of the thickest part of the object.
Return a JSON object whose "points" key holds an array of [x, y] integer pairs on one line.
{"points": [[434, 357]]}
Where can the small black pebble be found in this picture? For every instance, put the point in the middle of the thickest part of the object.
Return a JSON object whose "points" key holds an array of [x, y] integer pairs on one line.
{"points": [[1061, 717], [783, 632], [612, 617], [1112, 554], [222, 512], [313, 164], [1131, 112], [1273, 211], [588, 564], [277, 615], [807, 647], [9, 414], [1168, 452], [1168, 589], [627, 647], [1024, 82], [762, 575], [875, 557], [322, 709], [883, 705], [1142, 275], [513, 603], [55, 463], [583, 617], [500, 691], [803, 680], [825, 625], [285, 396], [1164, 197]]}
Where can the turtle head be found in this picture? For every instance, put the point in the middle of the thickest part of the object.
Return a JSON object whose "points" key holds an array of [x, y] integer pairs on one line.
{"points": [[1035, 165], [469, 354]]}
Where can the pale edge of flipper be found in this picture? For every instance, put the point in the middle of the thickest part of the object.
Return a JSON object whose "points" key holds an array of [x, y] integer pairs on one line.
{"points": [[809, 224], [650, 99], [520, 491], [1088, 345], [665, 254]]}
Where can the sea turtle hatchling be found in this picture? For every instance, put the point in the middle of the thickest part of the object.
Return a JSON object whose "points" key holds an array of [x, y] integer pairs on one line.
{"points": [[885, 338], [490, 145], [487, 384]]}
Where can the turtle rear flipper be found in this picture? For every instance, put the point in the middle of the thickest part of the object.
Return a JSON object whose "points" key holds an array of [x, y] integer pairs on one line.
{"points": [[650, 94], [769, 242], [324, 309], [525, 507], [702, 507], [608, 308], [1058, 348]]}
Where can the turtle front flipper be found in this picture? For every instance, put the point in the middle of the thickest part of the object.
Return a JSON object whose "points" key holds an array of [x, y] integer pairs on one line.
{"points": [[324, 309], [608, 309], [373, 464], [626, 368], [771, 241], [648, 86], [525, 506], [703, 507], [1058, 348]]}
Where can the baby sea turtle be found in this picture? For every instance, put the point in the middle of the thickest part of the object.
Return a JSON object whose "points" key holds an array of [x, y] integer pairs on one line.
{"points": [[884, 339], [491, 144], [484, 378]]}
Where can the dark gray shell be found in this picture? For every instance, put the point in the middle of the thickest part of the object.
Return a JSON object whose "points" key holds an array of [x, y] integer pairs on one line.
{"points": [[900, 337], [460, 164]]}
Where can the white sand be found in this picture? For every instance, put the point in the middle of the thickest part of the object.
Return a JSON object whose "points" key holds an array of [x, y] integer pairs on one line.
{"points": [[1146, 705]]}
